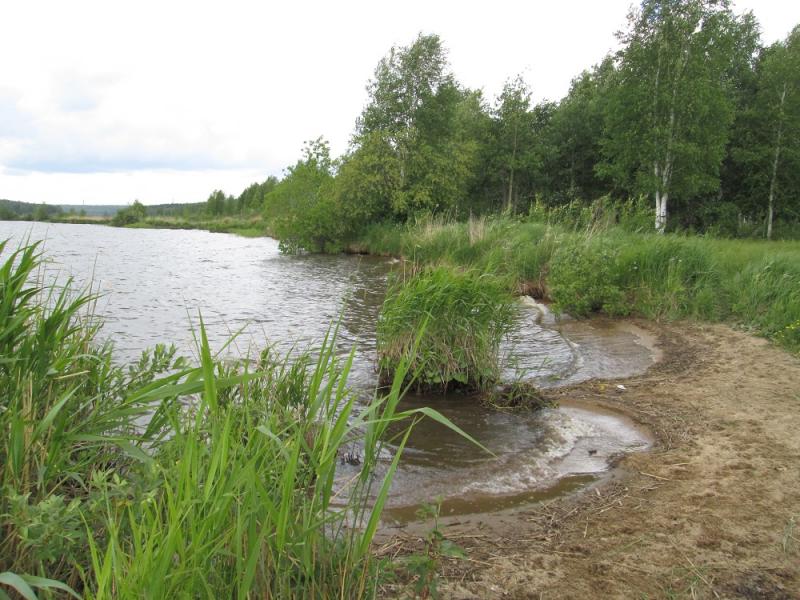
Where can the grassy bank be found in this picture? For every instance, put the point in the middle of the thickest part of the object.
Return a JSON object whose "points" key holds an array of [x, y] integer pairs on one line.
{"points": [[753, 284], [165, 479]]}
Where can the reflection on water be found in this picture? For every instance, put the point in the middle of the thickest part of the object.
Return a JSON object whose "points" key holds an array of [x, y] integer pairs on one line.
{"points": [[155, 282]]}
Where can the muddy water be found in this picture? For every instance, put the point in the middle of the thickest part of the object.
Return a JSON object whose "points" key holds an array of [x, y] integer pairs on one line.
{"points": [[154, 283]]}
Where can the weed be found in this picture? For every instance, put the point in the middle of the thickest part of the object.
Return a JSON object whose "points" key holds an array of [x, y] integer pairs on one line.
{"points": [[425, 566], [165, 479], [517, 396]]}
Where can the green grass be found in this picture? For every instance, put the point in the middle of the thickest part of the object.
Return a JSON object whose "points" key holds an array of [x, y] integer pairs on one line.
{"points": [[165, 479], [448, 324], [753, 284]]}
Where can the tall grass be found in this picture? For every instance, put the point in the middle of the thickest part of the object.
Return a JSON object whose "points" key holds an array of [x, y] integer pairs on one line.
{"points": [[164, 479], [463, 316], [617, 270]]}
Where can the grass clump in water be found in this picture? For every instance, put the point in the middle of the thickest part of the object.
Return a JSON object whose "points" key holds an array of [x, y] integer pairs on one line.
{"points": [[462, 316], [519, 396]]}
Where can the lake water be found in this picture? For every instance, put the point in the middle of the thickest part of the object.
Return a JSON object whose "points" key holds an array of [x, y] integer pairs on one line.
{"points": [[155, 283]]}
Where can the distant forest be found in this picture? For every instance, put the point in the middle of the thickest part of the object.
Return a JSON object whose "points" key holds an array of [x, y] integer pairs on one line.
{"points": [[694, 118]]}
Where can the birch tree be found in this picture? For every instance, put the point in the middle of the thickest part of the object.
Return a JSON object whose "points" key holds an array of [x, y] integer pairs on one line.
{"points": [[513, 132], [778, 106], [670, 112], [414, 106]]}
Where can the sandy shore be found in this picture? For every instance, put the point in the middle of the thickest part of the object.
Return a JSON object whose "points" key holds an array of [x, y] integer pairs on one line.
{"points": [[710, 512]]}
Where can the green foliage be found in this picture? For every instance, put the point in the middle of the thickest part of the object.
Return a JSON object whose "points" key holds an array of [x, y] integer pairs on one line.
{"points": [[463, 317], [581, 278], [575, 136], [26, 211], [300, 209], [366, 184], [134, 213], [688, 113], [25, 584], [619, 271], [416, 111], [660, 139], [162, 479], [765, 152], [215, 205], [425, 566]]}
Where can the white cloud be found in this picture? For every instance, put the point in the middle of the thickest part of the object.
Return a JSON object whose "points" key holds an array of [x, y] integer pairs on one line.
{"points": [[98, 97]]}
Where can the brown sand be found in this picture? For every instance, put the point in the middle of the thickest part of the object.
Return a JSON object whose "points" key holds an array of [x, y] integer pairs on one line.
{"points": [[708, 513]]}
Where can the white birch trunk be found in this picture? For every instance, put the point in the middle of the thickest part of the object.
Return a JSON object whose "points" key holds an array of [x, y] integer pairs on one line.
{"points": [[510, 205], [661, 213], [773, 179]]}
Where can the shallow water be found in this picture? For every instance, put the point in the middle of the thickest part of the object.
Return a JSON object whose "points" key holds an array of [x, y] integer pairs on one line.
{"points": [[154, 283]]}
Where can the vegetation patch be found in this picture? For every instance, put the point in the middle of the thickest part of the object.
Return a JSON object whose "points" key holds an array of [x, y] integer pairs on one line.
{"points": [[518, 396], [462, 316], [165, 479], [610, 268]]}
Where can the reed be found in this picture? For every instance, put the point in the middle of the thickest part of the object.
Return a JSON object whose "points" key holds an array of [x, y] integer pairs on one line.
{"points": [[463, 317], [617, 270], [164, 479]]}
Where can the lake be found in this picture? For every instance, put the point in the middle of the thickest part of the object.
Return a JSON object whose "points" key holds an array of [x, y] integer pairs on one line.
{"points": [[154, 285]]}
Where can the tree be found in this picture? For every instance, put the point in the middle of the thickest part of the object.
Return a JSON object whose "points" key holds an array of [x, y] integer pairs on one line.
{"points": [[130, 214], [365, 185], [778, 105], [670, 111], [576, 133], [514, 131], [762, 172], [300, 208], [414, 103], [215, 205]]}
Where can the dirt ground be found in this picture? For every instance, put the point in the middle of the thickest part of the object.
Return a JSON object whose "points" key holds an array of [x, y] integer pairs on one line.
{"points": [[712, 511]]}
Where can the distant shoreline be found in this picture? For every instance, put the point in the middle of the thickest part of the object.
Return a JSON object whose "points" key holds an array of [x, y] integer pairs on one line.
{"points": [[245, 227]]}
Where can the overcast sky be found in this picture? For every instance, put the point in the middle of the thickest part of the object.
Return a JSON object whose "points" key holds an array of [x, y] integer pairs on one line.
{"points": [[104, 102]]}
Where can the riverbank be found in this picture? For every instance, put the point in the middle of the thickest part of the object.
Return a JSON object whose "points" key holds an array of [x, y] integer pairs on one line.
{"points": [[253, 226], [750, 284], [710, 512], [164, 477]]}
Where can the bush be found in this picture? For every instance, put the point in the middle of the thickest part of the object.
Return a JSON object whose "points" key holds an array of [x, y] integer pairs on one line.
{"points": [[583, 278], [463, 316], [134, 213]]}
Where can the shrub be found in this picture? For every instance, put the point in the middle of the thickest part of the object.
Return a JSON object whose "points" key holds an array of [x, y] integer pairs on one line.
{"points": [[582, 277]]}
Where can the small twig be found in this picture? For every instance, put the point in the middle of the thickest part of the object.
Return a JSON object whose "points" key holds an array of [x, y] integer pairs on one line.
{"points": [[654, 476]]}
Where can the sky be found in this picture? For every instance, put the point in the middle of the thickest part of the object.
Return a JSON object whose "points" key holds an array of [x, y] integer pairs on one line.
{"points": [[104, 102]]}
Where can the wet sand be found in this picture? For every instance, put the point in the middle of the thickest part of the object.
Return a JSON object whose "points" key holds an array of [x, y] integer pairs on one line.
{"points": [[709, 512], [537, 455]]}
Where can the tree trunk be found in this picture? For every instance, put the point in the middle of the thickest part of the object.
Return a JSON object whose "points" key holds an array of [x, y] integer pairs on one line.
{"points": [[510, 191], [661, 212], [511, 173], [771, 208], [661, 195]]}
